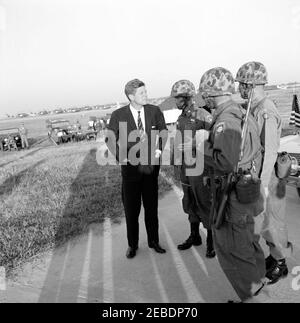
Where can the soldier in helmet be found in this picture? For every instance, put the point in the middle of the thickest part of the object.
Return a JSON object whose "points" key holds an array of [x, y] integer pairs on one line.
{"points": [[23, 134], [271, 223], [197, 197], [237, 247]]}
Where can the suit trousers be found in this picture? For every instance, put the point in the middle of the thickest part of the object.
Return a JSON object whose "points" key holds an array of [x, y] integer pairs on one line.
{"points": [[143, 188]]}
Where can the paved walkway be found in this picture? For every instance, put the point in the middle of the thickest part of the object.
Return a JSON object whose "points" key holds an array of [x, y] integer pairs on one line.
{"points": [[93, 268]]}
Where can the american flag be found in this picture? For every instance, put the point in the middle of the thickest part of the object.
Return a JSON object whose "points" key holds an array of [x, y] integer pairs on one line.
{"points": [[295, 114]]}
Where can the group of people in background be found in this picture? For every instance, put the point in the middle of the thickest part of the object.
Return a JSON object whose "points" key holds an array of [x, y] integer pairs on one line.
{"points": [[97, 124], [231, 168], [15, 141]]}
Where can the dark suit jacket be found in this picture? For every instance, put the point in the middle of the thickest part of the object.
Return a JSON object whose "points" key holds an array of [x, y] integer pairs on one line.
{"points": [[121, 127]]}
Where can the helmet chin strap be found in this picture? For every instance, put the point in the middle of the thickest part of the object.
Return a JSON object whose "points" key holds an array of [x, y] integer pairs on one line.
{"points": [[186, 103]]}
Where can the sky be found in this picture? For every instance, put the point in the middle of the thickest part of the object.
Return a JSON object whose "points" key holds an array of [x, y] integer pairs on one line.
{"points": [[65, 53]]}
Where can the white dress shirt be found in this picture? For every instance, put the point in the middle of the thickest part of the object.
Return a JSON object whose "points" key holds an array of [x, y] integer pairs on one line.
{"points": [[135, 116]]}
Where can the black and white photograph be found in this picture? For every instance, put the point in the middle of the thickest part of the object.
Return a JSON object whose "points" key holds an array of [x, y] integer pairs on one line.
{"points": [[149, 154]]}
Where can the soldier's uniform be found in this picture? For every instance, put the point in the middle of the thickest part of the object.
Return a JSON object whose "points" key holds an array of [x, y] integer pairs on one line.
{"points": [[274, 229], [271, 224], [196, 200], [237, 247], [23, 134]]}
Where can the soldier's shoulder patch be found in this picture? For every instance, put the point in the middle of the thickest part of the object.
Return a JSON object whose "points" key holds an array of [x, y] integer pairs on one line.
{"points": [[220, 127]]}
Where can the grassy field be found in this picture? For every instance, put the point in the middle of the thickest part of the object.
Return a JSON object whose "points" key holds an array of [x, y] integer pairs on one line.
{"points": [[49, 194]]}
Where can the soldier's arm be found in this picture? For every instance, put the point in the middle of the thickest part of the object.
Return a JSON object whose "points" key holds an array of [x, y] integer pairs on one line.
{"points": [[270, 143], [223, 153], [204, 120]]}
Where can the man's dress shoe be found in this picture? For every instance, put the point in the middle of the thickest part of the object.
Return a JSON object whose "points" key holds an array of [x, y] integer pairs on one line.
{"points": [[131, 252], [156, 247]]}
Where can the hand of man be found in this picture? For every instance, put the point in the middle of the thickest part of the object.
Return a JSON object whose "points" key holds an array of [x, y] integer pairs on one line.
{"points": [[157, 153], [266, 189], [125, 161], [201, 136]]}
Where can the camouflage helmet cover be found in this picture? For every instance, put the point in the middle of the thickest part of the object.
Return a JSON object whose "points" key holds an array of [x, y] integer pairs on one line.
{"points": [[183, 88], [252, 72], [216, 82]]}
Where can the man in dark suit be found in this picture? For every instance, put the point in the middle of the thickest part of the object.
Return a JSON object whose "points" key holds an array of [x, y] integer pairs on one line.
{"points": [[136, 136]]}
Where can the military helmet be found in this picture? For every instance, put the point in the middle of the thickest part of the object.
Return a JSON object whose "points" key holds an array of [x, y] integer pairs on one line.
{"points": [[183, 88], [252, 72], [217, 81]]}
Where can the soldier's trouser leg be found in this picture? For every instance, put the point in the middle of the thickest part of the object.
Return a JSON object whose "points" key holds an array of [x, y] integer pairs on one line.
{"points": [[274, 228], [239, 252], [194, 218], [26, 142], [189, 207], [202, 197], [189, 204], [236, 251], [23, 142]]}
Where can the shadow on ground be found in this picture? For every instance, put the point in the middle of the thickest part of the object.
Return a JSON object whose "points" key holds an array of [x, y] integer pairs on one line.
{"points": [[94, 195], [14, 180]]}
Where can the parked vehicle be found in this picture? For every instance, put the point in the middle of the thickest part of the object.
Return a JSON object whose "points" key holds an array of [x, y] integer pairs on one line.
{"points": [[10, 139], [291, 144], [59, 130], [62, 131]]}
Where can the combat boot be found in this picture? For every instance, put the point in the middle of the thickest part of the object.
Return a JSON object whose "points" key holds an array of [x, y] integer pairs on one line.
{"points": [[210, 251], [270, 263], [193, 240], [277, 272]]}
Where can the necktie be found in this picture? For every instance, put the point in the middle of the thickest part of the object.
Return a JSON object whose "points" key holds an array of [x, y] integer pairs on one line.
{"points": [[140, 125]]}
